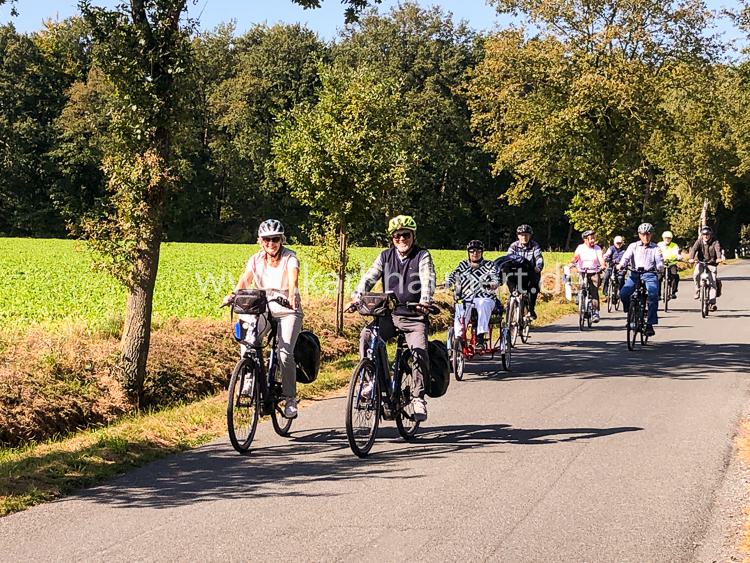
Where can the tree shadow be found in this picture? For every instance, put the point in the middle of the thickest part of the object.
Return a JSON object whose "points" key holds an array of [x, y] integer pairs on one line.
{"points": [[216, 472]]}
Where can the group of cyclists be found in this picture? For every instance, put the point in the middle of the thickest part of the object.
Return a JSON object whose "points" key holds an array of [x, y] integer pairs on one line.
{"points": [[406, 269]]}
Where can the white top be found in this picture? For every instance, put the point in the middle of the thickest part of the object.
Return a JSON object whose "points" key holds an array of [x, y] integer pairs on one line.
{"points": [[274, 279], [587, 257]]}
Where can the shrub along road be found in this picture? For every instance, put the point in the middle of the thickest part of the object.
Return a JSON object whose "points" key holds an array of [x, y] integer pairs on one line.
{"points": [[584, 452]]}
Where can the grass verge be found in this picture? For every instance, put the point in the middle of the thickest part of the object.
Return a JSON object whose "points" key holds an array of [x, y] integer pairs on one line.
{"points": [[743, 447], [42, 472]]}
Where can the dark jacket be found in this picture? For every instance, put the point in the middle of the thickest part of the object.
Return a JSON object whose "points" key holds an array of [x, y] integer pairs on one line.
{"points": [[708, 252]]}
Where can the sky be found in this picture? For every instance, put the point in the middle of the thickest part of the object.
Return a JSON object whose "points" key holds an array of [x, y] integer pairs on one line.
{"points": [[325, 21]]}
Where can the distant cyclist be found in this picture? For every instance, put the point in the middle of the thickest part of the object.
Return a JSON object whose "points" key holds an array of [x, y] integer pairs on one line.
{"points": [[670, 252], [477, 280], [643, 255], [407, 270], [531, 252], [706, 249], [589, 261], [611, 258]]}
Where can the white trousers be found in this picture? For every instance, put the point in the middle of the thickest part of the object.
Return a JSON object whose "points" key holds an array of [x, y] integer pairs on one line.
{"points": [[484, 307]]}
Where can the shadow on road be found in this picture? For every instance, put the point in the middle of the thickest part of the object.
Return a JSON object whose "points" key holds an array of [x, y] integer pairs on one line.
{"points": [[217, 472], [677, 359]]}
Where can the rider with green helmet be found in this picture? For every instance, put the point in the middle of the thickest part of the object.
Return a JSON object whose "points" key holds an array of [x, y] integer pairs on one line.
{"points": [[407, 270]]}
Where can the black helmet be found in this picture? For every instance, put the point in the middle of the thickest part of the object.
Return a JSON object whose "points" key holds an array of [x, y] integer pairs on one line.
{"points": [[706, 230], [588, 233], [475, 244], [524, 230]]}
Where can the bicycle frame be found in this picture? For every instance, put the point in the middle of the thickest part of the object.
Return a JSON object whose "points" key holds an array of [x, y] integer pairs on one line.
{"points": [[270, 389], [389, 381]]}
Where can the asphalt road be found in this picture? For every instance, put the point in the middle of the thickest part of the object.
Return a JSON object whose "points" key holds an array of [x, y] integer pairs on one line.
{"points": [[585, 452]]}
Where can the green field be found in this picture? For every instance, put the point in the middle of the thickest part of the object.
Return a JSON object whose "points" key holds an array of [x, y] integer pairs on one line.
{"points": [[48, 280]]}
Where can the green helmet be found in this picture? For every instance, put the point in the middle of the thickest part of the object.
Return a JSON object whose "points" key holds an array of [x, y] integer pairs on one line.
{"points": [[401, 222]]}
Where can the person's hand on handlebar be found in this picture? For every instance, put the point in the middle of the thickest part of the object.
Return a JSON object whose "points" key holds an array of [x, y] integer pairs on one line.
{"points": [[351, 306], [228, 299]]}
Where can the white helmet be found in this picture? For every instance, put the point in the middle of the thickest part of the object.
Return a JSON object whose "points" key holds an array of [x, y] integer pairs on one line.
{"points": [[618, 238], [667, 234], [270, 228]]}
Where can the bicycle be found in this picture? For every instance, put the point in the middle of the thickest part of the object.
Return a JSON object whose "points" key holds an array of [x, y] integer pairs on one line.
{"points": [[517, 316], [638, 312], [375, 390], [666, 287], [253, 387], [463, 349], [613, 291], [585, 301], [704, 288]]}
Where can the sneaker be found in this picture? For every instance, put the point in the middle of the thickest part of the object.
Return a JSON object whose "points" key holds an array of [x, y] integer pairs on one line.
{"points": [[290, 408], [697, 294], [247, 387], [595, 318], [419, 406], [713, 307], [366, 391], [532, 315], [480, 340], [650, 330]]}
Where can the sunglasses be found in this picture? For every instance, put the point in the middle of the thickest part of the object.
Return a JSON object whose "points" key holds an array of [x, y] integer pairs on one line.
{"points": [[404, 236], [271, 239], [477, 250]]}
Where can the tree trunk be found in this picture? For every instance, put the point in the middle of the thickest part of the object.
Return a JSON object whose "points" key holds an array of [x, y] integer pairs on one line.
{"points": [[569, 237], [136, 335], [704, 216], [340, 281]]}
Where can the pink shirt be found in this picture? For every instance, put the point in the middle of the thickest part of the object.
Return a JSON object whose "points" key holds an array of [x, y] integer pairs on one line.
{"points": [[587, 258]]}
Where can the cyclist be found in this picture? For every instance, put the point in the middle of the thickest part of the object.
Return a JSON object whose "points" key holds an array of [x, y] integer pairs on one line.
{"points": [[670, 252], [531, 252], [706, 249], [589, 261], [646, 255], [611, 259], [407, 270], [275, 269], [477, 279]]}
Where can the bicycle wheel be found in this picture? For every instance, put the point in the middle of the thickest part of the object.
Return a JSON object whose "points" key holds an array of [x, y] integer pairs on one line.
{"points": [[589, 313], [405, 422], [459, 362], [506, 350], [704, 300], [581, 311], [665, 291], [281, 424], [610, 296], [243, 408], [525, 325], [513, 320], [363, 408], [632, 324]]}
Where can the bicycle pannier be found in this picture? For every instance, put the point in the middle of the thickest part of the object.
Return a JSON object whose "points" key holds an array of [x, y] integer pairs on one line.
{"points": [[307, 357], [437, 380], [250, 302], [374, 304]]}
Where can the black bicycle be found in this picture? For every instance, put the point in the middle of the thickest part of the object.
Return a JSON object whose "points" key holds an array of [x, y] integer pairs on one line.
{"points": [[613, 290], [376, 390], [638, 311], [666, 287], [254, 388], [704, 281]]}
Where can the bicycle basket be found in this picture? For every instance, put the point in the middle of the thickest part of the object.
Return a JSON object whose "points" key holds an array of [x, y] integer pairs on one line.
{"points": [[375, 304], [250, 302]]}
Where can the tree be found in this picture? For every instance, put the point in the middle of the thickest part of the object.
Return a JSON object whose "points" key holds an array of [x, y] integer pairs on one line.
{"points": [[345, 157], [572, 110], [144, 55]]}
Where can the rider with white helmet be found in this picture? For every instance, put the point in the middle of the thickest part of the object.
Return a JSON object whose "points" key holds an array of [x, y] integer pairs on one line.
{"points": [[670, 251], [645, 259], [275, 269], [611, 258]]}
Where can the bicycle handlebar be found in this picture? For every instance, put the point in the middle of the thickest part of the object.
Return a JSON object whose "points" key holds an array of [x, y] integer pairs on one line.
{"points": [[283, 301]]}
